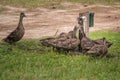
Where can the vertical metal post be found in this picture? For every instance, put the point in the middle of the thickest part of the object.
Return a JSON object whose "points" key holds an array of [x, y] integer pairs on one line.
{"points": [[85, 25], [91, 19]]}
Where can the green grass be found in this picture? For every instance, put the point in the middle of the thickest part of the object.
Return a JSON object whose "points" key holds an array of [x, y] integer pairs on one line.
{"points": [[30, 3], [46, 3], [109, 2], [28, 60]]}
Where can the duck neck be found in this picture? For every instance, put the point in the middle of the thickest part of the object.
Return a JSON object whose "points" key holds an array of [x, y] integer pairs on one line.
{"points": [[20, 22], [83, 33], [75, 31]]}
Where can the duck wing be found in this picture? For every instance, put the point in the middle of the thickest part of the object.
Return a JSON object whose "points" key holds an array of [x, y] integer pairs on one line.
{"points": [[86, 43], [98, 50], [11, 37], [47, 41], [101, 42]]}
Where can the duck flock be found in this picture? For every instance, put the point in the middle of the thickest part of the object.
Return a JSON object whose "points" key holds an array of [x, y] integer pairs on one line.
{"points": [[73, 41]]}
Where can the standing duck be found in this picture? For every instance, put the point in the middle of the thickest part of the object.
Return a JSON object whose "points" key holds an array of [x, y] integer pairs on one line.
{"points": [[18, 33]]}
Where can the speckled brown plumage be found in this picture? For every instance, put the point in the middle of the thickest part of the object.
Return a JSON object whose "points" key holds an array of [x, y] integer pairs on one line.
{"points": [[65, 41], [18, 33], [86, 43], [100, 41], [99, 49]]}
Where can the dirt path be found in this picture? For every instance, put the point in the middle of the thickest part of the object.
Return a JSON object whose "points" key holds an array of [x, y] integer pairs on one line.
{"points": [[45, 22]]}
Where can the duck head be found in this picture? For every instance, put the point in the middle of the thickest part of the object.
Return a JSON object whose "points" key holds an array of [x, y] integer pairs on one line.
{"points": [[22, 14], [80, 21]]}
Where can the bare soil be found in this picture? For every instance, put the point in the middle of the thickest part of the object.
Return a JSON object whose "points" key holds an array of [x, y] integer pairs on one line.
{"points": [[45, 22]]}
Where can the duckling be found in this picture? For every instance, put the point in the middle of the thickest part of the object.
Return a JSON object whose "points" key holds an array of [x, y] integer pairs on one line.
{"points": [[18, 33]]}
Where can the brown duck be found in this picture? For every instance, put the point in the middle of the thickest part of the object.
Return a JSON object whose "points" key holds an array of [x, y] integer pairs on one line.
{"points": [[18, 33], [86, 43], [99, 49], [65, 41]]}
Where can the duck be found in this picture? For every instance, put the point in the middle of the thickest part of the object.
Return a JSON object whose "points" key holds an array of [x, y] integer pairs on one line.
{"points": [[98, 47], [65, 41], [18, 33], [100, 50], [86, 43]]}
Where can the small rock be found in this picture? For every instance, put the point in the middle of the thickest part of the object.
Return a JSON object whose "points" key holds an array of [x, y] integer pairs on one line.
{"points": [[109, 16], [116, 17], [53, 7], [118, 27], [85, 5]]}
